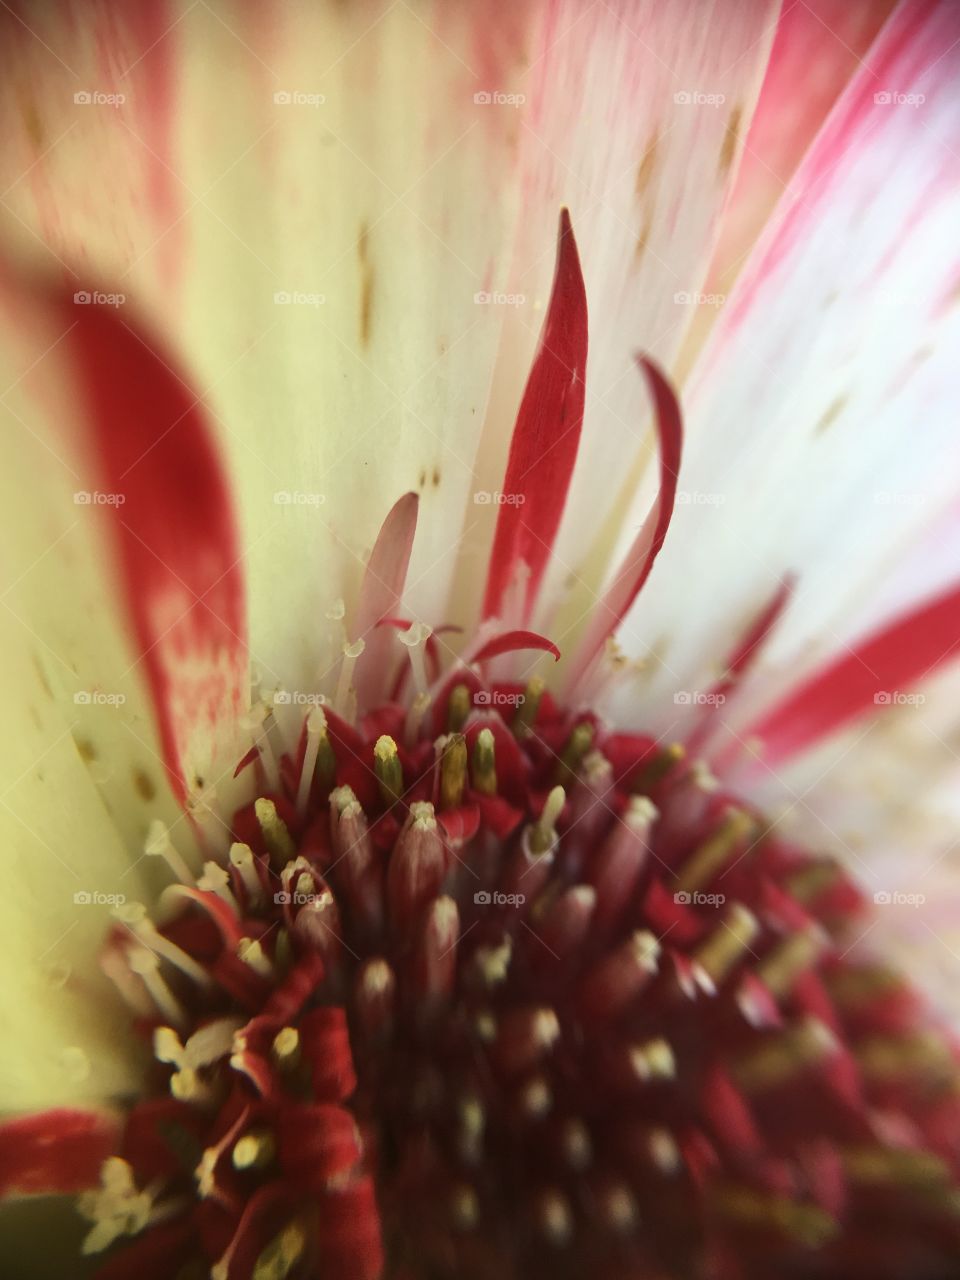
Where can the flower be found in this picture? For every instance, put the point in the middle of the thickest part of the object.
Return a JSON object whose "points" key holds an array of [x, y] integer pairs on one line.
{"points": [[446, 960]]}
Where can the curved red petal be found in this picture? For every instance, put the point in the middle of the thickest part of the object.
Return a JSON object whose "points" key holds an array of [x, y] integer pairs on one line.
{"points": [[177, 543], [863, 678], [57, 1151], [545, 439], [511, 641], [639, 560]]}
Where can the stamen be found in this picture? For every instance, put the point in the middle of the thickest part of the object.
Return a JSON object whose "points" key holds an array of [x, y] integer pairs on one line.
{"points": [[345, 697], [256, 722], [316, 740], [543, 833], [484, 763], [216, 880], [159, 844], [255, 1150], [577, 746], [453, 771], [134, 916], [285, 1049], [242, 859], [387, 767], [458, 708], [526, 714], [726, 945], [736, 830], [252, 953], [280, 1257], [276, 837]]}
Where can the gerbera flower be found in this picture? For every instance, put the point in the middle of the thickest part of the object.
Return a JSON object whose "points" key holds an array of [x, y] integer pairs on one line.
{"points": [[402, 738]]}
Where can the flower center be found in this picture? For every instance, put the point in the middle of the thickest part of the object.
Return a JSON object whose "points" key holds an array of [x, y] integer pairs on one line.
{"points": [[522, 998]]}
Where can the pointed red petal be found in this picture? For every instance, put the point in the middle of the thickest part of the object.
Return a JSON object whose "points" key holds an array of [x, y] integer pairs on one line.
{"points": [[57, 1151], [510, 641], [863, 678], [178, 548], [545, 439], [639, 560]]}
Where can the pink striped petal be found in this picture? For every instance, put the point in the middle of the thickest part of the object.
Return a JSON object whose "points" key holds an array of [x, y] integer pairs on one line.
{"points": [[869, 675], [544, 445], [821, 424]]}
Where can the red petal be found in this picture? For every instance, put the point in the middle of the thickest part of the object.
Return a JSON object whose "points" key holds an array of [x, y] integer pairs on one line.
{"points": [[55, 1151], [380, 593], [178, 547], [863, 678], [510, 641], [635, 569], [545, 439]]}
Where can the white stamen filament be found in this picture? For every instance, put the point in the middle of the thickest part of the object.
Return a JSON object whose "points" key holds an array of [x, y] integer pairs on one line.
{"points": [[159, 844], [415, 641], [316, 726], [242, 860], [146, 965], [216, 880], [345, 696], [256, 723], [134, 916]]}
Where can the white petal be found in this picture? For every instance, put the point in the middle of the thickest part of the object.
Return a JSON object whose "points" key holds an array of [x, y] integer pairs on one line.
{"points": [[821, 428]]}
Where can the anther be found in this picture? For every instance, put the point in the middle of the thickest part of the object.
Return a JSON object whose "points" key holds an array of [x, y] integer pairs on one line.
{"points": [[387, 767], [276, 837], [484, 763], [453, 771]]}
